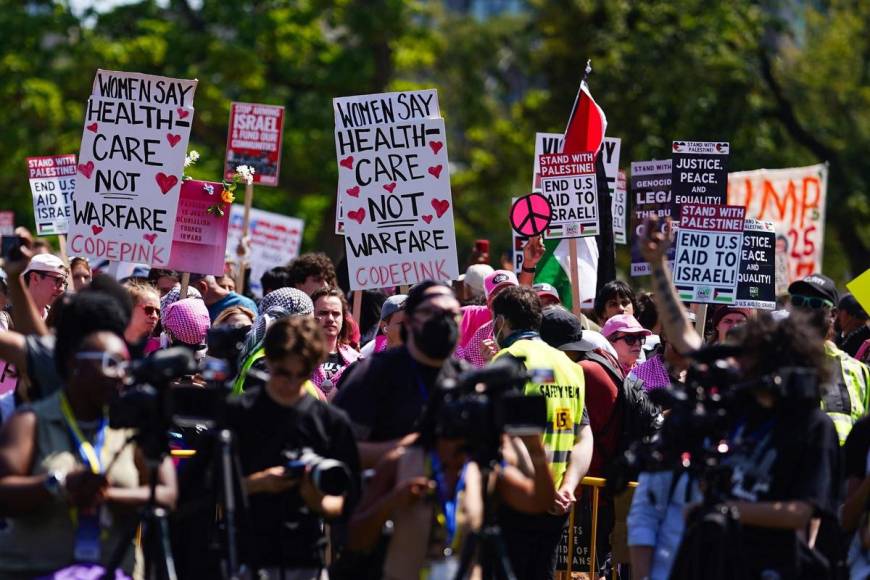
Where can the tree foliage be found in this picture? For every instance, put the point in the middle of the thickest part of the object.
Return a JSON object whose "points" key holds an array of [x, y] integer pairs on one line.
{"points": [[786, 83]]}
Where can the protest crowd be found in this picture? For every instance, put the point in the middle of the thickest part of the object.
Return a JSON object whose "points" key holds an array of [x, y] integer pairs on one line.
{"points": [[386, 417]]}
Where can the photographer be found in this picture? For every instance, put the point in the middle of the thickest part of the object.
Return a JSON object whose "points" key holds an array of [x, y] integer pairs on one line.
{"points": [[432, 491], [68, 481], [284, 532], [532, 540]]}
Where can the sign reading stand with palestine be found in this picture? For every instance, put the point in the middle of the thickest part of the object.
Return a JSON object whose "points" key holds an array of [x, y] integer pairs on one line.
{"points": [[394, 189], [756, 286], [130, 167], [700, 173], [52, 183], [568, 183], [707, 263], [254, 140]]}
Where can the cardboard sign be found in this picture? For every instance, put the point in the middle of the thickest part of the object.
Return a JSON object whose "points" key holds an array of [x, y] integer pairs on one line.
{"points": [[619, 209], [199, 241], [275, 240], [568, 183], [755, 283], [650, 195], [700, 173], [394, 188], [707, 261], [7, 223], [254, 139], [130, 167], [52, 183], [794, 200]]}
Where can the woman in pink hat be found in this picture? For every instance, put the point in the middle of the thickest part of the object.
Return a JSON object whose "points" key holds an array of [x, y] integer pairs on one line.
{"points": [[627, 337]]}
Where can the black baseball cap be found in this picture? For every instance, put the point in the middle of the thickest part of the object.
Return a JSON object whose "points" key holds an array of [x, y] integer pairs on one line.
{"points": [[816, 286], [850, 305], [561, 329]]}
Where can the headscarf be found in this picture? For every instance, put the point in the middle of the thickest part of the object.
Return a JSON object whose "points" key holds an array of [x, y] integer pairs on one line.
{"points": [[187, 320], [174, 296], [275, 305]]}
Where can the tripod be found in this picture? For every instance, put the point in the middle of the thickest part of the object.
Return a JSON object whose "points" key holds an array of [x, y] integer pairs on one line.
{"points": [[487, 544]]}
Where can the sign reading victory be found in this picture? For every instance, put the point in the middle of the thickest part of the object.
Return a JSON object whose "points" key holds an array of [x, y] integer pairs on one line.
{"points": [[130, 166], [394, 189], [707, 262]]}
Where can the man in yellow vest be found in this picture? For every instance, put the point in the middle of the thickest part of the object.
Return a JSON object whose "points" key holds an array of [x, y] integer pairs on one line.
{"points": [[847, 397], [532, 539]]}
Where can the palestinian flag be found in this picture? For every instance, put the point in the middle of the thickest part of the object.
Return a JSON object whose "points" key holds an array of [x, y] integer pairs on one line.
{"points": [[587, 124], [555, 268]]}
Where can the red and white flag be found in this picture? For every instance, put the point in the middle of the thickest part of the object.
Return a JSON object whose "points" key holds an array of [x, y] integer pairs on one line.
{"points": [[586, 126]]}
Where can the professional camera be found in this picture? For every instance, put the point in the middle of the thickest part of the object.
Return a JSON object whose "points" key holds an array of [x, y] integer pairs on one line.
{"points": [[483, 404], [329, 476]]}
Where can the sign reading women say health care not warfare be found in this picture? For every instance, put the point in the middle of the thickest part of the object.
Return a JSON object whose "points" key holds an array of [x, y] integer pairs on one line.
{"points": [[394, 188], [130, 167]]}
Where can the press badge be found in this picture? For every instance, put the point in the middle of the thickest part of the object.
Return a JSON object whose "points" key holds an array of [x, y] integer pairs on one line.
{"points": [[87, 545]]}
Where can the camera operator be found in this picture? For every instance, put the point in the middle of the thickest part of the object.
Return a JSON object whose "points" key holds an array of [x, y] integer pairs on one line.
{"points": [[284, 533], [68, 482], [384, 395], [432, 491], [532, 540]]}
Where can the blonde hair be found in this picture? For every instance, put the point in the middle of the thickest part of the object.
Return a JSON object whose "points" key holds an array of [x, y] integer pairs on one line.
{"points": [[232, 311], [139, 291]]}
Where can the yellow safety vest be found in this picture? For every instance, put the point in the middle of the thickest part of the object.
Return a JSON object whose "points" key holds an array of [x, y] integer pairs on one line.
{"points": [[565, 398], [239, 383], [848, 377]]}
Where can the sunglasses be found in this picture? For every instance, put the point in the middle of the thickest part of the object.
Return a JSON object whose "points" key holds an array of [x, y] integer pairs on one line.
{"points": [[151, 310], [814, 302], [111, 365], [59, 281], [631, 339]]}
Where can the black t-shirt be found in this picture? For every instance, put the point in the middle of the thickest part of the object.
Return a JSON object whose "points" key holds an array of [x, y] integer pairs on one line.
{"points": [[793, 457], [280, 529], [332, 365], [852, 342], [856, 449], [385, 394]]}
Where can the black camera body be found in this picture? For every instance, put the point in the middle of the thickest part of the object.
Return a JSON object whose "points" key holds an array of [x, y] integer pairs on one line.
{"points": [[329, 476]]}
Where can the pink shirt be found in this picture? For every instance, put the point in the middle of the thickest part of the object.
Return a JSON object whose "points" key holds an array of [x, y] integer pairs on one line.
{"points": [[473, 317]]}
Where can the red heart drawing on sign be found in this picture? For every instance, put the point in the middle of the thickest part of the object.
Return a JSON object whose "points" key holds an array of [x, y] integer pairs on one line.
{"points": [[440, 206], [86, 169], [96, 229], [150, 237], [436, 171], [92, 127], [182, 113], [347, 162], [173, 139], [427, 218], [165, 182], [353, 191], [358, 216], [436, 146], [390, 187]]}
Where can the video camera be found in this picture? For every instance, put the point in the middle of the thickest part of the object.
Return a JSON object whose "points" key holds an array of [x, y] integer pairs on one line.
{"points": [[483, 404]]}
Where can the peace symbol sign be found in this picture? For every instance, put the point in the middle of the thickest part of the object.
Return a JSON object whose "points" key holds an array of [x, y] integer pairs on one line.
{"points": [[531, 214]]}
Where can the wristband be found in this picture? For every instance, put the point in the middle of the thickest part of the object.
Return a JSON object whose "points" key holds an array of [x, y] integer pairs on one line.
{"points": [[529, 270]]}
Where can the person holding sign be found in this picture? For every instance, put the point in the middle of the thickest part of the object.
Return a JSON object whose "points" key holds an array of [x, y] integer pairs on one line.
{"points": [[65, 475]]}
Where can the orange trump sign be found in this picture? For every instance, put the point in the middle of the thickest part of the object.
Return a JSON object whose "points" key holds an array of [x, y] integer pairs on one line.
{"points": [[794, 200]]}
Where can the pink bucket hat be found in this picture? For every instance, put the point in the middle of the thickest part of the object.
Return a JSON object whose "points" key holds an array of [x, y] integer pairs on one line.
{"points": [[187, 320], [499, 279], [625, 324]]}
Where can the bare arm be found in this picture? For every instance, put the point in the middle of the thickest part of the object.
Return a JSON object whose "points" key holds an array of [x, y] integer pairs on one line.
{"points": [[27, 319], [780, 515], [579, 461], [857, 493], [370, 453], [13, 349], [533, 251], [529, 494], [20, 492], [676, 324], [641, 561], [166, 491]]}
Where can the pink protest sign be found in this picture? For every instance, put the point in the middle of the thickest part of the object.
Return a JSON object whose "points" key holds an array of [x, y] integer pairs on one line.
{"points": [[200, 237], [530, 215]]}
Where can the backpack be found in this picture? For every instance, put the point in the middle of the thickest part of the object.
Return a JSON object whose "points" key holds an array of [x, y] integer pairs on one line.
{"points": [[640, 416]]}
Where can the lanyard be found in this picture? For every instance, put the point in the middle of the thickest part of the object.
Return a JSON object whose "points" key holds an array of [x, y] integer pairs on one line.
{"points": [[448, 504], [519, 335], [90, 454]]}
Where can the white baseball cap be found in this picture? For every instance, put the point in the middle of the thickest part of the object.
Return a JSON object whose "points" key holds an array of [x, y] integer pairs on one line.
{"points": [[474, 277], [48, 263]]}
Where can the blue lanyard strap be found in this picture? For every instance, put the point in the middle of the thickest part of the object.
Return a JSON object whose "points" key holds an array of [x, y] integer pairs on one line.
{"points": [[448, 503], [90, 454]]}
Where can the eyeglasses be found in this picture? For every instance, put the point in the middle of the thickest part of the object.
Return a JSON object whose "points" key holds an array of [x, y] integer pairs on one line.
{"points": [[631, 339], [111, 365], [59, 281], [814, 302], [151, 310]]}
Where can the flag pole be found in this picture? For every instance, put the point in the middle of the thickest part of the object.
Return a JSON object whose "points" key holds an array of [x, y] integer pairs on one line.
{"points": [[575, 277]]}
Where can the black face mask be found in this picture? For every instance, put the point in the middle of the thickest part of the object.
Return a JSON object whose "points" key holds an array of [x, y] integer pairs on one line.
{"points": [[438, 336]]}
